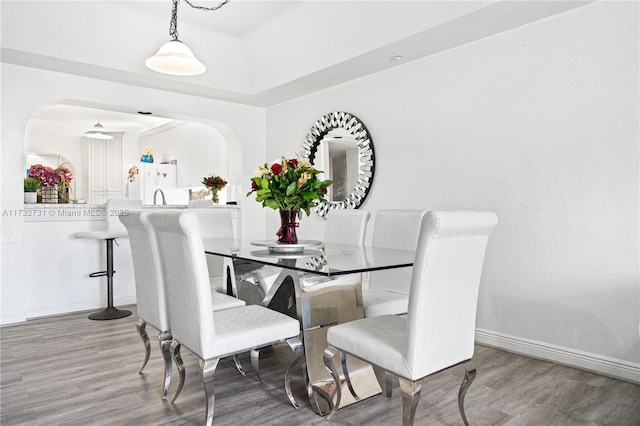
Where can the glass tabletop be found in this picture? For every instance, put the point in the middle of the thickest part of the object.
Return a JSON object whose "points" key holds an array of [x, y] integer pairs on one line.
{"points": [[327, 259]]}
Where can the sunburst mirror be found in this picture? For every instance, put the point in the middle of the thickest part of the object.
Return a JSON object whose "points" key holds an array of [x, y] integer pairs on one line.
{"points": [[340, 144]]}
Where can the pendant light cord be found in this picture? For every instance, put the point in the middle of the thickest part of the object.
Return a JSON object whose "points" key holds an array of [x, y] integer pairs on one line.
{"points": [[207, 8], [173, 24]]}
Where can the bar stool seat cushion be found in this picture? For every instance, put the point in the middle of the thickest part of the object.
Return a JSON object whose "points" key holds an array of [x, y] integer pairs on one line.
{"points": [[102, 234]]}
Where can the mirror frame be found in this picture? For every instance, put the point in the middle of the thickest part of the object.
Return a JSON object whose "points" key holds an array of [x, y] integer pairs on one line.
{"points": [[366, 157]]}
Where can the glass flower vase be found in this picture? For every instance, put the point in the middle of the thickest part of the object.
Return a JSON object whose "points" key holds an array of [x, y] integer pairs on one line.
{"points": [[215, 197], [287, 232]]}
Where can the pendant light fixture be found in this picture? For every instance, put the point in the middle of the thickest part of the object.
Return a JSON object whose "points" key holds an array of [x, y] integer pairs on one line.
{"points": [[174, 57], [97, 132]]}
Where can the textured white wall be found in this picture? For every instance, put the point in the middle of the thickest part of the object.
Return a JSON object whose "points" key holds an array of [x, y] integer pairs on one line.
{"points": [[24, 90], [540, 125]]}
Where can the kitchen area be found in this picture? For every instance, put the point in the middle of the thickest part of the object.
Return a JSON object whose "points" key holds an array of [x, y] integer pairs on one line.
{"points": [[159, 161]]}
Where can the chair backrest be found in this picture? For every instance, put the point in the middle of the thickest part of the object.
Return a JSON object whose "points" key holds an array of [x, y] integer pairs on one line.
{"points": [[115, 207], [200, 204], [444, 289], [346, 226], [214, 223], [395, 229], [151, 292], [186, 277]]}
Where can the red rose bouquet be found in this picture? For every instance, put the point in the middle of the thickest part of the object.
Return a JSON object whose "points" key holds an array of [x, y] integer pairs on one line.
{"points": [[290, 184]]}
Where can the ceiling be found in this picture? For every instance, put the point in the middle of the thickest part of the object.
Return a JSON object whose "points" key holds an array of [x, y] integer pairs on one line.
{"points": [[257, 52], [83, 118]]}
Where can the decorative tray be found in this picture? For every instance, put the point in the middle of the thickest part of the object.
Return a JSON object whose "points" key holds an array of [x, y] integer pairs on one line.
{"points": [[286, 255], [276, 247]]}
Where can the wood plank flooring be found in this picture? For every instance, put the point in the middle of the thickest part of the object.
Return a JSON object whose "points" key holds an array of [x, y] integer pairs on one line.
{"points": [[69, 370]]}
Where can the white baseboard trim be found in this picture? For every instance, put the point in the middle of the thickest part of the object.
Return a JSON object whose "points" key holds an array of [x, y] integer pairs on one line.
{"points": [[12, 319], [616, 368], [47, 311]]}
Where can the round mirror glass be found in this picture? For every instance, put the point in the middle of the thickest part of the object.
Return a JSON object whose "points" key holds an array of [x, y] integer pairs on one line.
{"points": [[340, 145]]}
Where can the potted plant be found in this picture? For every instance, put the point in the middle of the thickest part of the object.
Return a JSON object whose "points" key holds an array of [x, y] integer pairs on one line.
{"points": [[214, 184], [147, 155], [53, 182], [31, 186], [291, 186]]}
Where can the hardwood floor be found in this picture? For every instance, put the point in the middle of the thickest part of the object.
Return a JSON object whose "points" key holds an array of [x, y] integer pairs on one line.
{"points": [[69, 370]]}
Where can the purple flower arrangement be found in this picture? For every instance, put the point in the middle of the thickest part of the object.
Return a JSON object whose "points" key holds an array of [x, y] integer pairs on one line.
{"points": [[60, 177]]}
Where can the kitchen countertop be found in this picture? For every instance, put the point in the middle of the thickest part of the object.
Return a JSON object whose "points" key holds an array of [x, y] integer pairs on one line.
{"points": [[71, 212]]}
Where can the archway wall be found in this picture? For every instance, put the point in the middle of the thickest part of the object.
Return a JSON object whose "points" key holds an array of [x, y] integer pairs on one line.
{"points": [[24, 90]]}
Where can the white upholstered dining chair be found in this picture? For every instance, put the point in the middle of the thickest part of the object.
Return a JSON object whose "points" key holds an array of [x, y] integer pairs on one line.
{"points": [[224, 272], [151, 292], [438, 331], [215, 223], [346, 226], [200, 204], [388, 290], [211, 335]]}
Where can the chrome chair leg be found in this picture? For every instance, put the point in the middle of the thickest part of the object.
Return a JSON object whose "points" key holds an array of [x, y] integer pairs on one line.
{"points": [[236, 361], [345, 371], [141, 326], [175, 354], [410, 397], [329, 354], [208, 370], [388, 384], [469, 377], [296, 346], [165, 339], [255, 362]]}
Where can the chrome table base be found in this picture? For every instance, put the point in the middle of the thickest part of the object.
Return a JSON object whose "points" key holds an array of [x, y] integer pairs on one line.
{"points": [[320, 303]]}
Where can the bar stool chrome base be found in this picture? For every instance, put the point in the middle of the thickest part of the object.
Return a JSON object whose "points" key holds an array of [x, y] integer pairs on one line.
{"points": [[110, 313]]}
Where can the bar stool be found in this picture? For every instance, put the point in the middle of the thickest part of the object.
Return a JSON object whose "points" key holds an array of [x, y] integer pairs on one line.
{"points": [[115, 229]]}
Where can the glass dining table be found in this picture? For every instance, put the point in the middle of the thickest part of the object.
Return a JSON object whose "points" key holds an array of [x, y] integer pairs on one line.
{"points": [[321, 285]]}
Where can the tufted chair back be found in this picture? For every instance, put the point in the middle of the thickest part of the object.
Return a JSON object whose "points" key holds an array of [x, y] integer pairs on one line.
{"points": [[183, 257], [346, 226], [444, 289], [397, 229], [151, 292]]}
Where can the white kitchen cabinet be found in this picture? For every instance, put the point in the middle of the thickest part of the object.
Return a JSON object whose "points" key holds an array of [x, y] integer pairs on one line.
{"points": [[104, 160]]}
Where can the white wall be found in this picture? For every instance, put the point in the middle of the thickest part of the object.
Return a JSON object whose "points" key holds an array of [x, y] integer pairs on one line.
{"points": [[200, 150], [540, 125], [25, 89]]}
